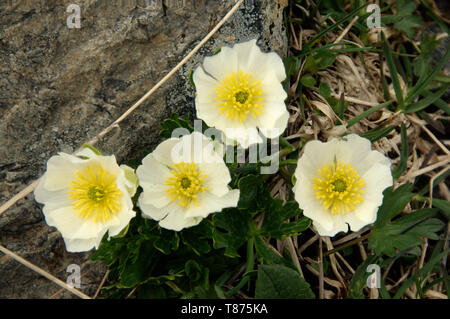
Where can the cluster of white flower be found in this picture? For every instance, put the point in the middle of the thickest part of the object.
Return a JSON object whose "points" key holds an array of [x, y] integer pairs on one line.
{"points": [[238, 90]]}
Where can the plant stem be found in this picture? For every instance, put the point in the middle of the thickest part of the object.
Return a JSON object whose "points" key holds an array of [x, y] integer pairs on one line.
{"points": [[285, 143], [250, 265], [288, 162]]}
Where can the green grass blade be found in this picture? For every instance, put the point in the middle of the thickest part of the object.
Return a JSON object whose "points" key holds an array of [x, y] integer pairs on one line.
{"points": [[407, 64], [430, 99], [393, 71], [396, 172], [332, 27], [365, 114], [440, 103], [377, 133]]}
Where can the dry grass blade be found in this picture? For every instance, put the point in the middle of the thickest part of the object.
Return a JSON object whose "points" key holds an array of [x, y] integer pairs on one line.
{"points": [[101, 284], [44, 273]]}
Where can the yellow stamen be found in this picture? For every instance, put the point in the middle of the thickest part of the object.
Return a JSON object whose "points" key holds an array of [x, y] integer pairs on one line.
{"points": [[95, 194], [185, 184], [339, 187], [238, 96]]}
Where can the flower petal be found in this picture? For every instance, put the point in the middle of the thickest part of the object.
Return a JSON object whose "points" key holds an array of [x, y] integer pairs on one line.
{"points": [[131, 180], [150, 211], [250, 58], [177, 220], [217, 178], [209, 203], [273, 91], [153, 171], [339, 225], [273, 120], [205, 87], [123, 219], [312, 208], [376, 180], [60, 171], [221, 65], [363, 215], [154, 195]]}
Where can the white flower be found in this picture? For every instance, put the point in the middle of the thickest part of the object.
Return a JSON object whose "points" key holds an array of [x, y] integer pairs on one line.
{"points": [[239, 90], [85, 196], [179, 191], [341, 182]]}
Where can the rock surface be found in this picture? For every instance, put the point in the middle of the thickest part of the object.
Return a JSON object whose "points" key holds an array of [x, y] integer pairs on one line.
{"points": [[61, 86]]}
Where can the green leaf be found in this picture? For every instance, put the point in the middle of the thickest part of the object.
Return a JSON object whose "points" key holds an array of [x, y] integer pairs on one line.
{"points": [[427, 228], [292, 65], [197, 237], [359, 279], [408, 24], [276, 215], [267, 256], [393, 203], [406, 7], [404, 20], [308, 80], [135, 272], [443, 205], [414, 218], [166, 241], [389, 19], [193, 270], [324, 90], [249, 187], [109, 250], [281, 282], [159, 280], [424, 79], [324, 59], [405, 232], [236, 224], [422, 62], [174, 122], [310, 65], [402, 242], [191, 78]]}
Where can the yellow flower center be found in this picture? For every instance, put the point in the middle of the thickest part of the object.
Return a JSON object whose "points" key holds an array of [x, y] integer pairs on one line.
{"points": [[95, 194], [238, 96], [185, 183], [339, 187]]}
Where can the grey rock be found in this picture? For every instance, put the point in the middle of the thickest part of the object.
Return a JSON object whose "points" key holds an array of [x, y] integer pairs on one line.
{"points": [[60, 87]]}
